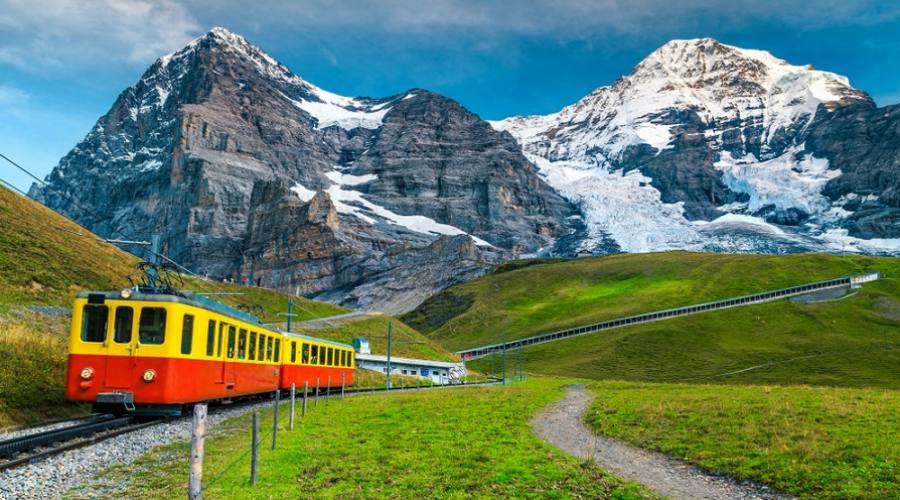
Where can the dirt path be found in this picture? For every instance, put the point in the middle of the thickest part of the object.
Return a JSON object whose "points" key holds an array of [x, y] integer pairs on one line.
{"points": [[561, 424]]}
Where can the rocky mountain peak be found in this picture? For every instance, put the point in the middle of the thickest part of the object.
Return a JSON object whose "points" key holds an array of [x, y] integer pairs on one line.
{"points": [[699, 132]]}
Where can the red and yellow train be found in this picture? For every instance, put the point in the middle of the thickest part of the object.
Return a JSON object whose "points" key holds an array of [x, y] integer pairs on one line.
{"points": [[153, 353]]}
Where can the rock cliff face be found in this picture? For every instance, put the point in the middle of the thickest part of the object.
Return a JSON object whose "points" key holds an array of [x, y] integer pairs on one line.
{"points": [[250, 172], [709, 146]]}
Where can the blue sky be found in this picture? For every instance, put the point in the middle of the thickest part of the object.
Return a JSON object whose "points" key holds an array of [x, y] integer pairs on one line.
{"points": [[62, 63]]}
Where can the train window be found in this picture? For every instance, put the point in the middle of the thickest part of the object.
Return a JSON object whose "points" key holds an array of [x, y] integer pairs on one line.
{"points": [[315, 355], [305, 357], [231, 334], [211, 337], [242, 344], [262, 348], [268, 348], [277, 349], [152, 326], [187, 333], [252, 350], [344, 358], [93, 325], [293, 352], [330, 356], [351, 359], [122, 328]]}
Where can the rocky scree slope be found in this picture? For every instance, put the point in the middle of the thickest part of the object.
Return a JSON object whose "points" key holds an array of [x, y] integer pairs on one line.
{"points": [[706, 146], [250, 172]]}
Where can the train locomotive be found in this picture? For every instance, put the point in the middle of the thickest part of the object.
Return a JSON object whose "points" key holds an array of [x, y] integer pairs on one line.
{"points": [[151, 351]]}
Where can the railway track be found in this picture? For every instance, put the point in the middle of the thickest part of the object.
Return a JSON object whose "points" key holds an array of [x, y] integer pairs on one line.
{"points": [[30, 448]]}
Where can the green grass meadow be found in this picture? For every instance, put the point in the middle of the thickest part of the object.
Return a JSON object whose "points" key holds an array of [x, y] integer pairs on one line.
{"points": [[812, 442], [445, 443]]}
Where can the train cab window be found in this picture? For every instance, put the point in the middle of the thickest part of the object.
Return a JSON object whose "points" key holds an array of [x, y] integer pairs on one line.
{"points": [[187, 333], [122, 328], [351, 359], [293, 352], [277, 349], [152, 326], [231, 334], [211, 337], [305, 354], [268, 348], [262, 348], [242, 344], [315, 355], [93, 323], [330, 356], [252, 349]]}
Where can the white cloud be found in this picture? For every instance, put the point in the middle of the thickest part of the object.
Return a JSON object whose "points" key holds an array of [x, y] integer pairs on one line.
{"points": [[41, 35], [14, 101]]}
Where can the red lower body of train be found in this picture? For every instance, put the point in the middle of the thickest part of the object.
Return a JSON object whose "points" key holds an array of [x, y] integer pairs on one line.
{"points": [[118, 384]]}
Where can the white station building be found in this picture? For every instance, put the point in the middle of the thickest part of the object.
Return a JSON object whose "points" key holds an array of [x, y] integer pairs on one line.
{"points": [[439, 372]]}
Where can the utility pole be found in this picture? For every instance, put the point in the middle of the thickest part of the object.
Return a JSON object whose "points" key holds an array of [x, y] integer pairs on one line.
{"points": [[290, 313], [389, 337], [504, 359], [153, 258]]}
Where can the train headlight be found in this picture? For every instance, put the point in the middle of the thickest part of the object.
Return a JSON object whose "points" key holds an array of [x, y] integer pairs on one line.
{"points": [[125, 293], [149, 376], [87, 373]]}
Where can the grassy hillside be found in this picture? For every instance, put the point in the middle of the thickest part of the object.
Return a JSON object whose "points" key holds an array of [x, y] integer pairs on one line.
{"points": [[407, 342], [45, 260], [852, 341], [812, 442]]}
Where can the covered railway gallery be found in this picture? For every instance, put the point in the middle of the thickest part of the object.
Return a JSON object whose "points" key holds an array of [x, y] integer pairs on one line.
{"points": [[153, 353]]}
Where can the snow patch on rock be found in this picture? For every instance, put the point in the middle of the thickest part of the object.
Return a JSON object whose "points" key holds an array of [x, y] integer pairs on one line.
{"points": [[792, 180], [352, 202]]}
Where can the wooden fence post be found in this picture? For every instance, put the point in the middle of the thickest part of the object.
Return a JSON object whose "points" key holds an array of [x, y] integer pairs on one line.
{"points": [[291, 420], [305, 394], [254, 447], [275, 418], [198, 433], [317, 393]]}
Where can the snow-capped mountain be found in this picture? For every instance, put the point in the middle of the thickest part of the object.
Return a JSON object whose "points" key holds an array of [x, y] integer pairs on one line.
{"points": [[704, 146], [250, 172]]}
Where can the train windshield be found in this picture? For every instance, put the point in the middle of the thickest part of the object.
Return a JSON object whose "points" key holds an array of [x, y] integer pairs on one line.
{"points": [[93, 324]]}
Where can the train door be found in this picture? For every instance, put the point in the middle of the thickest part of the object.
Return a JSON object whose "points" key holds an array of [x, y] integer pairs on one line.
{"points": [[228, 363], [220, 354], [120, 346]]}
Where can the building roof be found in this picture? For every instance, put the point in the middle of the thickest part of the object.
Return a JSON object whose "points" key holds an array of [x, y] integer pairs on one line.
{"points": [[407, 361]]}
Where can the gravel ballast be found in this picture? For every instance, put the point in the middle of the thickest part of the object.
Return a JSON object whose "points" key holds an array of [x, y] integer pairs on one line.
{"points": [[54, 476]]}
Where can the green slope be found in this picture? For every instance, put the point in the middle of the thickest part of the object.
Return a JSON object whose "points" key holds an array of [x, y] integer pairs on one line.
{"points": [[851, 341], [406, 341], [45, 260]]}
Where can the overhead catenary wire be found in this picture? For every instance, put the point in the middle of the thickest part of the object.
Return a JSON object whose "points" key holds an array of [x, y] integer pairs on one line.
{"points": [[96, 216], [14, 188], [23, 169]]}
